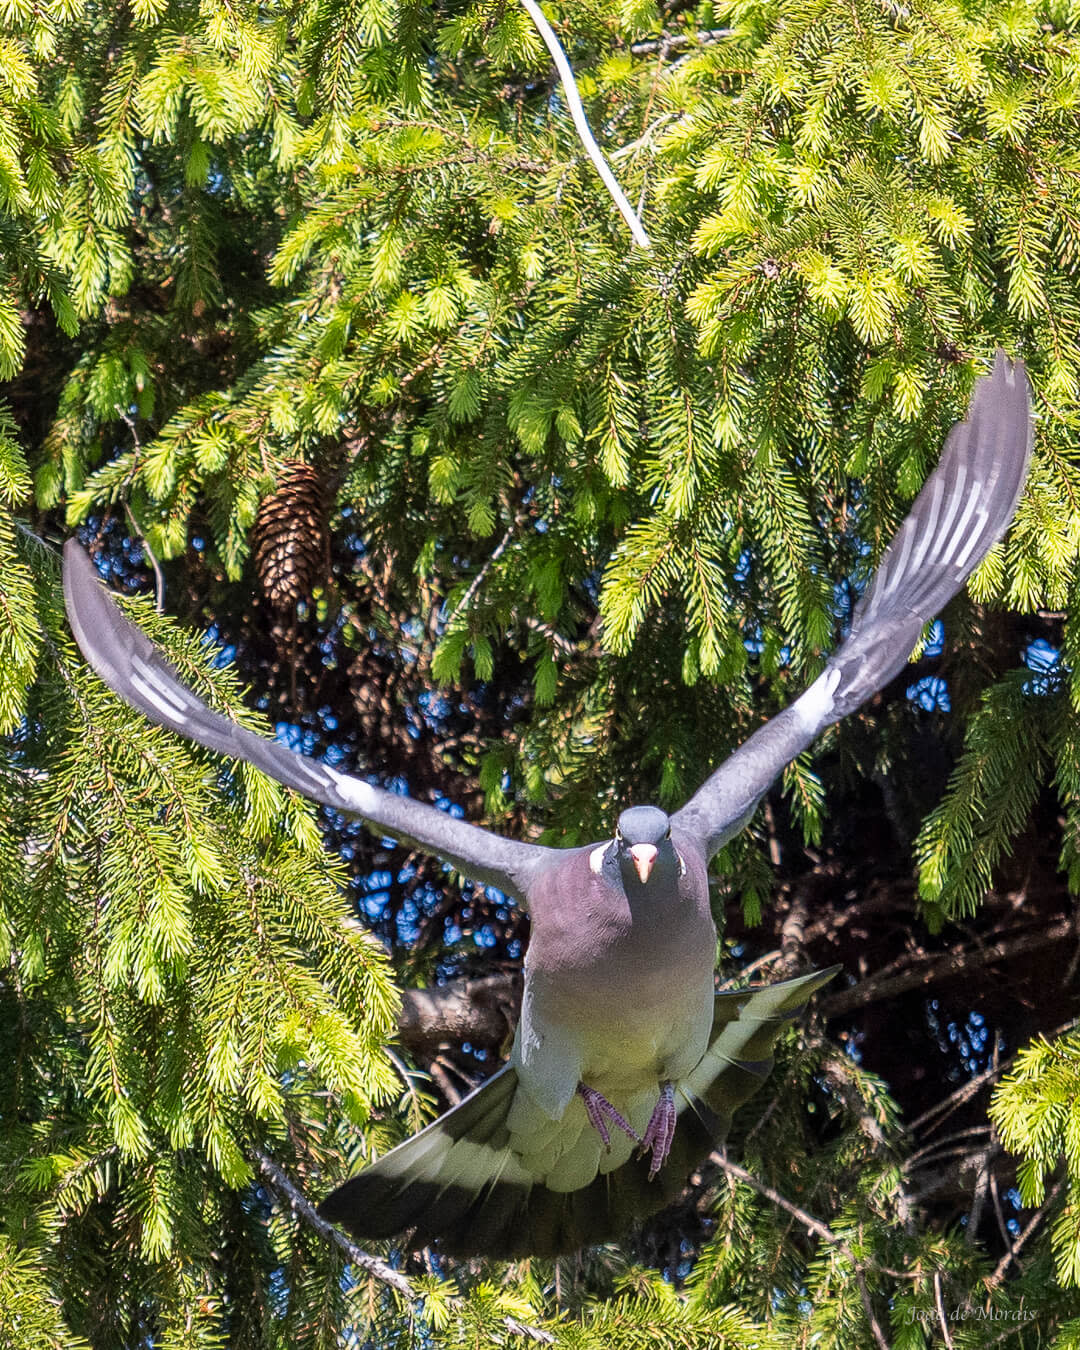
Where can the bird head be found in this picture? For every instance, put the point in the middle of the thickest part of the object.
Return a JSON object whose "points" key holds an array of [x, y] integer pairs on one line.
{"points": [[643, 843]]}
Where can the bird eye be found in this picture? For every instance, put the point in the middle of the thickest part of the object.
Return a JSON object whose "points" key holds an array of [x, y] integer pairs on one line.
{"points": [[619, 836]]}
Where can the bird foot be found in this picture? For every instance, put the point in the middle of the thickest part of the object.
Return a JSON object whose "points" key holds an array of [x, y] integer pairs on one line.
{"points": [[661, 1130], [600, 1110]]}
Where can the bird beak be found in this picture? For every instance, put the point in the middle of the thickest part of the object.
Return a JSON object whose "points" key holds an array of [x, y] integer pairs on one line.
{"points": [[644, 855]]}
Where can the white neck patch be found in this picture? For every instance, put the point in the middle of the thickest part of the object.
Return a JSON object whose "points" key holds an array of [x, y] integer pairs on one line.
{"points": [[596, 858]]}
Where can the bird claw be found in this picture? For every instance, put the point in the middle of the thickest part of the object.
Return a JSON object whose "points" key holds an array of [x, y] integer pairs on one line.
{"points": [[597, 1107], [660, 1131]]}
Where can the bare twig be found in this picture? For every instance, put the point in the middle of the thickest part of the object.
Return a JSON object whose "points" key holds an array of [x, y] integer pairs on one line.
{"points": [[939, 1303], [577, 112], [1022, 1237], [496, 553], [999, 1214], [820, 1230], [744, 971], [808, 1221], [305, 1210], [159, 577], [941, 968], [442, 1079], [868, 1309], [676, 41], [646, 136]]}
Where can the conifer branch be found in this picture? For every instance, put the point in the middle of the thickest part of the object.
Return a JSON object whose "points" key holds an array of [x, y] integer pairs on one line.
{"points": [[584, 131], [304, 1209], [807, 1220], [822, 1231]]}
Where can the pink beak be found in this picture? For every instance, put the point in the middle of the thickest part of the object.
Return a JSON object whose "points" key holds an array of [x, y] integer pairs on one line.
{"points": [[644, 855]]}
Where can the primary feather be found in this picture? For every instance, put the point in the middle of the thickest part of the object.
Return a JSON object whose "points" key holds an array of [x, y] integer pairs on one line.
{"points": [[964, 507]]}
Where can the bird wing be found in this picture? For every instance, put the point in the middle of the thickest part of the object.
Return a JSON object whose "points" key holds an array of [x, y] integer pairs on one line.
{"points": [[964, 507], [460, 1183], [135, 669]]}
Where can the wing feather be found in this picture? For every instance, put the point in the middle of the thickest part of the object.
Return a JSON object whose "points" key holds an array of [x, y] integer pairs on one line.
{"points": [[964, 507], [133, 667]]}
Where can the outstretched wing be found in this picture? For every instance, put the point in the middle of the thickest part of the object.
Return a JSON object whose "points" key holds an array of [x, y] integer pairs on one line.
{"points": [[133, 667], [964, 507]]}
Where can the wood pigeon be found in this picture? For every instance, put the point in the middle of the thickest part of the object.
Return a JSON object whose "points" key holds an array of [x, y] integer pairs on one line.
{"points": [[626, 1066]]}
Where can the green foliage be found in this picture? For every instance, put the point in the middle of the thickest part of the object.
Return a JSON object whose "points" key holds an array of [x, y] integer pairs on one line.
{"points": [[364, 235], [1037, 1112], [990, 795], [171, 993]]}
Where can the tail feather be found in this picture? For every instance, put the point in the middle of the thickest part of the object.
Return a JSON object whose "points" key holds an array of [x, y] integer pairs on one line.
{"points": [[459, 1184], [438, 1173]]}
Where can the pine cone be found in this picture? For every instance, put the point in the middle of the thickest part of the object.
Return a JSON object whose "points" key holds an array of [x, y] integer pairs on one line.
{"points": [[292, 542]]}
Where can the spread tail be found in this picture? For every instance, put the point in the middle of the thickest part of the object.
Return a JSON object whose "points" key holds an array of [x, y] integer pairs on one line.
{"points": [[459, 1184]]}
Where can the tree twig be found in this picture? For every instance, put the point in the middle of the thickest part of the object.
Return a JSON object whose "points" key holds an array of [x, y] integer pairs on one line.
{"points": [[744, 971], [159, 576], [302, 1207], [868, 1309], [808, 1221], [824, 1232], [674, 41], [1002, 1266], [496, 553], [953, 963], [939, 1304], [584, 131]]}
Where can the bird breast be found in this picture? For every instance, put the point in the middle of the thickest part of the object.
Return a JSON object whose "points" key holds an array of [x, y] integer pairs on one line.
{"points": [[623, 956]]}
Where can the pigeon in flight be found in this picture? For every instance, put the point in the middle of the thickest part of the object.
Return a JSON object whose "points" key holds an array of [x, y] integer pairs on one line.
{"points": [[626, 1066]]}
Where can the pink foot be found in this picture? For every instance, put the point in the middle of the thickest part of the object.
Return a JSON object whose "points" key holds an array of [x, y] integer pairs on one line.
{"points": [[661, 1130], [599, 1110]]}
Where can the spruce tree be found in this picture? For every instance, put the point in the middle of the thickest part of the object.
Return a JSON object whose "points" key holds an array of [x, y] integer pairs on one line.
{"points": [[595, 509]]}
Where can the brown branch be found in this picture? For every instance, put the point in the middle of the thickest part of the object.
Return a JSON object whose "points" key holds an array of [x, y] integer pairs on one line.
{"points": [[1002, 1266], [868, 1309], [939, 1304], [482, 1012], [942, 967], [302, 1207], [745, 971], [807, 1220]]}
